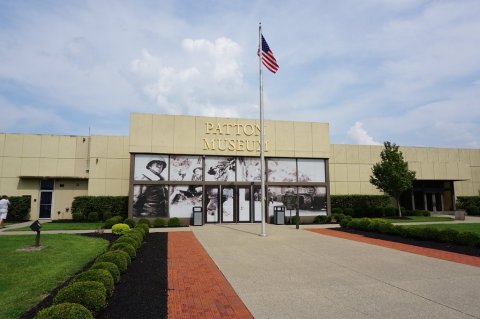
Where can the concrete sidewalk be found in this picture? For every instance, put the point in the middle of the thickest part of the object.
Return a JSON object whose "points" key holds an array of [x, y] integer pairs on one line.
{"points": [[299, 274]]}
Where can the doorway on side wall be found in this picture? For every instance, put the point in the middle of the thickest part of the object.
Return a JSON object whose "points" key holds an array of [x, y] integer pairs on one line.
{"points": [[46, 198]]}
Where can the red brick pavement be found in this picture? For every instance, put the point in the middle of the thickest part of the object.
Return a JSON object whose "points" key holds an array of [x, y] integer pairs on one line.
{"points": [[196, 287], [435, 253]]}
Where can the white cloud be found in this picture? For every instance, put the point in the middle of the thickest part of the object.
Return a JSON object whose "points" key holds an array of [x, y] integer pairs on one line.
{"points": [[360, 135]]}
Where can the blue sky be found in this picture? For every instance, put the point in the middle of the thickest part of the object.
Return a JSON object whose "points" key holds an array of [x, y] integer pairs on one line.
{"points": [[406, 71]]}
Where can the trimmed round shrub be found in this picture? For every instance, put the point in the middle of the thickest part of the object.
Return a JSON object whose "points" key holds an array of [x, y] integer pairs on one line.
{"points": [[130, 222], [467, 239], [112, 221], [348, 212], [390, 211], [159, 222], [136, 235], [143, 228], [100, 275], [144, 221], [106, 215], [90, 294], [448, 235], [321, 219], [386, 228], [140, 229], [78, 217], [93, 217], [129, 240], [174, 222], [110, 267], [120, 229], [129, 249], [338, 217], [125, 255], [337, 210], [114, 257], [138, 232], [66, 310], [345, 221], [472, 210]]}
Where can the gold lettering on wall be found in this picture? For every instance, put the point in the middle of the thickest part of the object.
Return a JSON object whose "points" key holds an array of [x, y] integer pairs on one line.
{"points": [[232, 144]]}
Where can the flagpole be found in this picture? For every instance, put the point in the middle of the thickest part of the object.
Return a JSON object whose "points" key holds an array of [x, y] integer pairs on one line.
{"points": [[262, 143]]}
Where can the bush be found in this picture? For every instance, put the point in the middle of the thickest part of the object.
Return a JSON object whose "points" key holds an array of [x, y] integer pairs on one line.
{"points": [[120, 229], [468, 239], [93, 217], [337, 210], [130, 222], [77, 217], [129, 249], [137, 232], [351, 201], [110, 267], [144, 221], [112, 221], [99, 275], [447, 235], [114, 257], [159, 222], [129, 240], [140, 230], [19, 209], [174, 222], [90, 294], [359, 212], [348, 211], [338, 217], [66, 310], [145, 227], [345, 221], [466, 201], [106, 215], [293, 220], [118, 205], [472, 210], [321, 219], [390, 211], [386, 228]]}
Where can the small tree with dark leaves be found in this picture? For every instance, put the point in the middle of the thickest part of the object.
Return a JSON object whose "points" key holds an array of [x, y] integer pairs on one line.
{"points": [[392, 175]]}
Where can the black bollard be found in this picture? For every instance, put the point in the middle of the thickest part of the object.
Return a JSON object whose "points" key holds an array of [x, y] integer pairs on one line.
{"points": [[35, 226]]}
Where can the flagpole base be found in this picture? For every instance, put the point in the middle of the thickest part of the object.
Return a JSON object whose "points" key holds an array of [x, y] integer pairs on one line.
{"points": [[262, 235]]}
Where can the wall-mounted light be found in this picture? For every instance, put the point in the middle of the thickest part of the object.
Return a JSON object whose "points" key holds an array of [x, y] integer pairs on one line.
{"points": [[96, 161]]}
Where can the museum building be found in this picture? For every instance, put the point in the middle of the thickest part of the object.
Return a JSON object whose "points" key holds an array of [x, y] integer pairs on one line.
{"points": [[170, 165]]}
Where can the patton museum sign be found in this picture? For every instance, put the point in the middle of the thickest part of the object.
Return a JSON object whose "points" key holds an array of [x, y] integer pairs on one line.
{"points": [[232, 137]]}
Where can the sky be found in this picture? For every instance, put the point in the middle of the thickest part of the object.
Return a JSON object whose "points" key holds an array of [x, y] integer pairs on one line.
{"points": [[405, 71]]}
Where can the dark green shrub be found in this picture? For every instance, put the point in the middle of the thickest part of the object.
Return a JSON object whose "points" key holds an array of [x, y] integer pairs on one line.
{"points": [[129, 249], [338, 217], [390, 212], [321, 219], [472, 210], [159, 222], [447, 235], [130, 222], [66, 310], [100, 275], [110, 267], [345, 221], [293, 220], [78, 217], [144, 221], [106, 215], [115, 257], [112, 221], [386, 228], [93, 217], [348, 211], [359, 212], [118, 205], [421, 212], [174, 222], [125, 255], [129, 240], [337, 210], [467, 239], [351, 201], [136, 235], [90, 294], [466, 201], [145, 228], [120, 229], [19, 209], [140, 230], [376, 212], [430, 233]]}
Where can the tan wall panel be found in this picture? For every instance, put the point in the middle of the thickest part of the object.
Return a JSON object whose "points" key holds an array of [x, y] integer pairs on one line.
{"points": [[433, 155], [66, 167], [427, 170], [30, 166], [409, 153], [341, 172], [114, 168], [98, 168], [366, 188], [475, 157], [114, 187], [321, 139], [339, 153], [451, 170], [352, 154], [375, 153], [417, 168], [99, 146], [365, 171], [364, 155], [31, 145], [141, 132], [475, 174], [13, 145], [464, 171], [50, 146], [9, 186], [96, 187], [184, 135], [440, 170], [354, 188], [11, 166], [270, 137], [303, 138], [285, 138], [67, 147], [116, 147], [81, 151], [48, 167], [2, 143], [464, 156], [163, 128], [80, 168], [341, 188], [353, 171]]}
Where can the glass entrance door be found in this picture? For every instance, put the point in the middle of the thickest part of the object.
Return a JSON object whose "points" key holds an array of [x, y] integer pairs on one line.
{"points": [[245, 204], [46, 197], [212, 203], [228, 207]]}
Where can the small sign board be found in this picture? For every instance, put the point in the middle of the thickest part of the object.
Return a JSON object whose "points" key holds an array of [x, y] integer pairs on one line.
{"points": [[290, 201]]}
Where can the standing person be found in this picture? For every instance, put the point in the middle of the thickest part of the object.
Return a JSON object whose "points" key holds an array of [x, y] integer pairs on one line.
{"points": [[4, 203]]}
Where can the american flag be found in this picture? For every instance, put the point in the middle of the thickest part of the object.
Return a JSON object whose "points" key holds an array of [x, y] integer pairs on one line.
{"points": [[267, 57]]}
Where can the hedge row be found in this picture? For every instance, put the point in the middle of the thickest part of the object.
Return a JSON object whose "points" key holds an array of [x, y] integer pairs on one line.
{"points": [[88, 292], [450, 236], [114, 205], [467, 201], [351, 201], [19, 209], [378, 212]]}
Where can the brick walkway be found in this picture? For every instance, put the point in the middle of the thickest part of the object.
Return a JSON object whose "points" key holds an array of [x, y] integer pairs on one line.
{"points": [[197, 288], [435, 253]]}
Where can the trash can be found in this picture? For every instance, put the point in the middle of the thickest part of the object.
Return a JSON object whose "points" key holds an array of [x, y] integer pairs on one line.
{"points": [[197, 216], [279, 215]]}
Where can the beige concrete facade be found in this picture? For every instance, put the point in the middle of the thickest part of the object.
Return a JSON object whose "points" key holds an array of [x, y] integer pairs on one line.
{"points": [[101, 165]]}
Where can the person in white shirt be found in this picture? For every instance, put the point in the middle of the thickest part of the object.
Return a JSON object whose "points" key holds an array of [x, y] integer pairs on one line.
{"points": [[4, 203]]}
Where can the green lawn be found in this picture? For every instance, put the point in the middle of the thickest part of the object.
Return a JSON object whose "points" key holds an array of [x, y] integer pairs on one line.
{"points": [[27, 276], [471, 227], [64, 226], [415, 219]]}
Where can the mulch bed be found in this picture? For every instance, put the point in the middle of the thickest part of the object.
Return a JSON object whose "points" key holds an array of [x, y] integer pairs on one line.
{"points": [[142, 290], [466, 250]]}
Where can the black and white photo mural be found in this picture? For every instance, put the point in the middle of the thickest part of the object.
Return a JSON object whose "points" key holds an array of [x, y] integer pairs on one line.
{"points": [[248, 169], [186, 168], [151, 167], [282, 170], [150, 201], [311, 170], [312, 200], [183, 199], [219, 169]]}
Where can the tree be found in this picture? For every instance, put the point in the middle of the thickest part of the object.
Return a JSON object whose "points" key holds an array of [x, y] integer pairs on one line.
{"points": [[392, 175]]}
